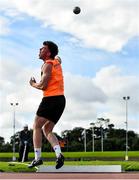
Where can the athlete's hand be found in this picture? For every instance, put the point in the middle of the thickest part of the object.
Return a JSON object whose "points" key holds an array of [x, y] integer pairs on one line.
{"points": [[32, 81]]}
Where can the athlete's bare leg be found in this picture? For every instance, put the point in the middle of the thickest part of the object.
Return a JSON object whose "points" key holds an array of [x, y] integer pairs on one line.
{"points": [[37, 131], [47, 127], [37, 140], [47, 130]]}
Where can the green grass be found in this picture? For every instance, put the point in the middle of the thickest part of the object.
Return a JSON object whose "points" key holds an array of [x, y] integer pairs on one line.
{"points": [[80, 154], [101, 154], [9, 167], [126, 166]]}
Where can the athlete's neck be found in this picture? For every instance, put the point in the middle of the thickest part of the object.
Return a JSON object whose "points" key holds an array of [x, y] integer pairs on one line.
{"points": [[48, 59]]}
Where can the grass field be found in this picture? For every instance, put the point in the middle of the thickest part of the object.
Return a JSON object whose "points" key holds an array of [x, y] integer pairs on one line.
{"points": [[80, 154], [126, 166]]}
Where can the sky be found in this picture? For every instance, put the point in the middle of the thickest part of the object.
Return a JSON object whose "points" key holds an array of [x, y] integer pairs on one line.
{"points": [[99, 49]]}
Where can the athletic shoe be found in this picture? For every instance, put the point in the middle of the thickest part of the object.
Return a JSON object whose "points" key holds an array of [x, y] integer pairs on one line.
{"points": [[59, 161], [35, 163]]}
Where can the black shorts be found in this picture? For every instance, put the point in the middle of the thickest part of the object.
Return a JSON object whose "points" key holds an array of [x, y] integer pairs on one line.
{"points": [[52, 107]]}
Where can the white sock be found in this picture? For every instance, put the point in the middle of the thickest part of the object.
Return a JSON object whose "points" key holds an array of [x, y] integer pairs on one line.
{"points": [[37, 152], [57, 150]]}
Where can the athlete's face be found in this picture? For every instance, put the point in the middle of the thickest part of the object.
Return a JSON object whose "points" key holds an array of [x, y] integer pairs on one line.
{"points": [[25, 128], [44, 53]]}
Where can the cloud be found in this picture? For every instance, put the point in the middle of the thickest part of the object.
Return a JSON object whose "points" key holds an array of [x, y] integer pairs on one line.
{"points": [[116, 86], [4, 26], [15, 85], [105, 25], [83, 89], [113, 83]]}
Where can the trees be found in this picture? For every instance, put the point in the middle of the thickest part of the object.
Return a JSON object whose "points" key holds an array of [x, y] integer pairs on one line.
{"points": [[1, 141], [113, 140], [4, 147], [73, 139]]}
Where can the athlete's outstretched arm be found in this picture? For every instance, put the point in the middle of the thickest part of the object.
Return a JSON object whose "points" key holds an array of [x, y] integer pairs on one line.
{"points": [[42, 85]]}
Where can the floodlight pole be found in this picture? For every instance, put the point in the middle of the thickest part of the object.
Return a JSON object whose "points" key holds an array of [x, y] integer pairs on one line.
{"points": [[101, 137], [126, 98], [93, 142], [14, 104], [102, 121], [101, 130], [84, 140]]}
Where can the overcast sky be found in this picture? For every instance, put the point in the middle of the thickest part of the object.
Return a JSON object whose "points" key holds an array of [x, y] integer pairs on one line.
{"points": [[100, 58]]}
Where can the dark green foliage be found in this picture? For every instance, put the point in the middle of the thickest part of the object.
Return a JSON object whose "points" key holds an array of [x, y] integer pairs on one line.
{"points": [[113, 140]]}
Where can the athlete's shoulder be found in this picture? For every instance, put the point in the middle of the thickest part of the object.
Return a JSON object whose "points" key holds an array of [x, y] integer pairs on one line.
{"points": [[49, 62]]}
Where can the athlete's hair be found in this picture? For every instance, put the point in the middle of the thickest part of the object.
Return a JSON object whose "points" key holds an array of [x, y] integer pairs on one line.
{"points": [[53, 48]]}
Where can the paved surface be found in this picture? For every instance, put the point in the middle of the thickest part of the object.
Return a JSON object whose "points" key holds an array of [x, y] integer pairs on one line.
{"points": [[80, 168], [72, 176]]}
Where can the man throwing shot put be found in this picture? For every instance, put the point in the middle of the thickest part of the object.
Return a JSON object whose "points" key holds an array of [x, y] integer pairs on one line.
{"points": [[52, 104]]}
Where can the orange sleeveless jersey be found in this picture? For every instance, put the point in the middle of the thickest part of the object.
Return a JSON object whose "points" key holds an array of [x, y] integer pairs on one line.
{"points": [[55, 85]]}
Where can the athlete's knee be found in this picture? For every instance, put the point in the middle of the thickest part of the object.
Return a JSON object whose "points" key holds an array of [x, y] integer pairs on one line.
{"points": [[47, 129], [37, 123]]}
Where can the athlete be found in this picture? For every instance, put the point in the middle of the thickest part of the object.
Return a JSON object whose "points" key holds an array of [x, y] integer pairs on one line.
{"points": [[52, 104]]}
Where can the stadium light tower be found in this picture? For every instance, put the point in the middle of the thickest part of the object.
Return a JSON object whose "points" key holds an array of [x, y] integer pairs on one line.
{"points": [[84, 140], [14, 105], [102, 122], [93, 142], [126, 98]]}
